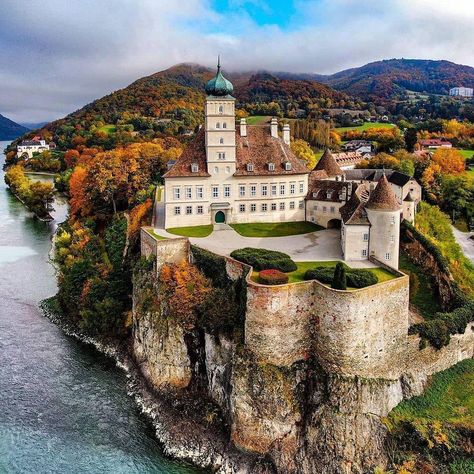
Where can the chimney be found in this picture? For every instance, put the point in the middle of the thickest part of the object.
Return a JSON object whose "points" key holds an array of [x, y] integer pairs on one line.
{"points": [[274, 127], [286, 133], [243, 127]]}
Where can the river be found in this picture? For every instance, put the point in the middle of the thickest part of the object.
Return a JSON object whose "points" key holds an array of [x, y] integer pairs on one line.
{"points": [[63, 406]]}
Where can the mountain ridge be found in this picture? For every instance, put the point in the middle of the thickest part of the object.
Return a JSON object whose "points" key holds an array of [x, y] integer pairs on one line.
{"points": [[10, 130]]}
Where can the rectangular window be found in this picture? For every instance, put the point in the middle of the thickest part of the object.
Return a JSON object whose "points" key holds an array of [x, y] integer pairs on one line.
{"points": [[315, 207], [274, 189], [189, 192], [221, 155], [215, 191], [282, 189], [200, 210], [282, 206], [292, 188], [189, 209], [333, 209], [227, 190], [393, 220], [366, 237], [264, 190], [177, 211], [301, 186], [274, 206], [264, 207], [325, 209], [253, 190], [301, 205], [253, 207], [177, 193], [364, 253], [242, 190], [199, 192], [387, 256], [292, 204], [392, 238], [241, 207]]}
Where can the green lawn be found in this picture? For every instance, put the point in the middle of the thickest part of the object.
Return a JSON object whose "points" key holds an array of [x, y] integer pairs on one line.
{"points": [[109, 128], [298, 274], [194, 231], [257, 119], [365, 126], [422, 294], [467, 153], [278, 229], [449, 398]]}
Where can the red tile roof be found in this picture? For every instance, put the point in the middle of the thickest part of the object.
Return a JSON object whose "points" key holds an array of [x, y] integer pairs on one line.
{"points": [[328, 164], [353, 212], [258, 148], [382, 198]]}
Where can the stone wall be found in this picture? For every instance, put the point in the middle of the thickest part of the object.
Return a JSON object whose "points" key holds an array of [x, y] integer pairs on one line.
{"points": [[165, 250]]}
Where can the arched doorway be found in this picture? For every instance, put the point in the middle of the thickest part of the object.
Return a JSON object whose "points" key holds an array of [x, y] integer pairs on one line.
{"points": [[220, 217], [334, 224]]}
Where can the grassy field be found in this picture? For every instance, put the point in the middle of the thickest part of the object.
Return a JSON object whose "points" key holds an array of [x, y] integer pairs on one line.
{"points": [[467, 153], [365, 126], [257, 119], [298, 274], [108, 129], [449, 398], [278, 229], [422, 293], [194, 231]]}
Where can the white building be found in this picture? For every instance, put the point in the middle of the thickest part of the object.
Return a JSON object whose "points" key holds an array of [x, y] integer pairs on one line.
{"points": [[461, 92], [232, 174], [27, 148]]}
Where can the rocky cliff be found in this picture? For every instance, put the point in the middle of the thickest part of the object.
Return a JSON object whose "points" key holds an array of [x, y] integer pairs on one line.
{"points": [[296, 378]]}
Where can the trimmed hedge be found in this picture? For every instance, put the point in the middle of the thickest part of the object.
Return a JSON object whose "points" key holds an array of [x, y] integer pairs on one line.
{"points": [[355, 278], [339, 282], [262, 259], [272, 277]]}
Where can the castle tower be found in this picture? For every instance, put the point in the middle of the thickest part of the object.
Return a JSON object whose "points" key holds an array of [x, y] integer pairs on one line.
{"points": [[220, 122], [409, 208], [383, 212], [328, 164]]}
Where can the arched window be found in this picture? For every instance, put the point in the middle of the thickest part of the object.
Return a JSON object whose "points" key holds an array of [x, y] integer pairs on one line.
{"points": [[218, 125], [221, 109], [224, 125], [221, 141]]}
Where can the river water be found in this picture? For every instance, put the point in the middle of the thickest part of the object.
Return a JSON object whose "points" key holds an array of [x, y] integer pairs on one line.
{"points": [[63, 406]]}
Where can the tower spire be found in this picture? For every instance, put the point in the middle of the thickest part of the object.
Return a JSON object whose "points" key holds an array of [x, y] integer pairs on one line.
{"points": [[218, 62]]}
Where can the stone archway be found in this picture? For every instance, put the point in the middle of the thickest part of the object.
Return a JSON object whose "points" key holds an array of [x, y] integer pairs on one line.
{"points": [[334, 224], [219, 218]]}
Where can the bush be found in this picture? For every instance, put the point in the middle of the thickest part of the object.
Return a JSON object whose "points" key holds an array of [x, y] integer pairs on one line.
{"points": [[262, 259], [322, 274], [361, 278], [339, 282], [273, 277]]}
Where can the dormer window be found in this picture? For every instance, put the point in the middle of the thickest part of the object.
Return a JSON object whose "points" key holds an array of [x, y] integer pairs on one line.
{"points": [[287, 166], [315, 195], [328, 194], [271, 166], [249, 167], [194, 168]]}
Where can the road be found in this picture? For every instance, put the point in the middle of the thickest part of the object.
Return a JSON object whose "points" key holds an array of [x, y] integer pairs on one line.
{"points": [[466, 243]]}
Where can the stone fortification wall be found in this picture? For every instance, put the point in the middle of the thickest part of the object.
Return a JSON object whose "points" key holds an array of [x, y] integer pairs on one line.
{"points": [[166, 250]]}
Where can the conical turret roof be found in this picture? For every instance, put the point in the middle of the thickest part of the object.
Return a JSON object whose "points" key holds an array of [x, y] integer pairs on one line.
{"points": [[382, 198], [328, 163], [219, 85]]}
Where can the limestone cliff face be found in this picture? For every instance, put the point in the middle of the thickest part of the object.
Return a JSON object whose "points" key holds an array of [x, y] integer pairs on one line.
{"points": [[306, 374]]}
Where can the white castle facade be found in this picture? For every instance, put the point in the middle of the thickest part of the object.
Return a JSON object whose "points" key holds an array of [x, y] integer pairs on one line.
{"points": [[249, 174]]}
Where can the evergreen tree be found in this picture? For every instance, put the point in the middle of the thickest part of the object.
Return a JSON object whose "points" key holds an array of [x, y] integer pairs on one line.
{"points": [[339, 281], [410, 139]]}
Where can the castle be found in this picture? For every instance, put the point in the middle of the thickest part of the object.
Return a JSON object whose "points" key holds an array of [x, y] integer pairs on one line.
{"points": [[249, 174]]}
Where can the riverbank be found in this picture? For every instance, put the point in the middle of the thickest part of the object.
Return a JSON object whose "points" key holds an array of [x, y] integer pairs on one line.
{"points": [[175, 419]]}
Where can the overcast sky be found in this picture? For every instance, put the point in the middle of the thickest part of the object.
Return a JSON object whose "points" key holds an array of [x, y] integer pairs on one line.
{"points": [[57, 55]]}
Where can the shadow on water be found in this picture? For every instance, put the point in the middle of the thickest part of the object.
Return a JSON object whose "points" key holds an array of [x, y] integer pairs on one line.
{"points": [[63, 406]]}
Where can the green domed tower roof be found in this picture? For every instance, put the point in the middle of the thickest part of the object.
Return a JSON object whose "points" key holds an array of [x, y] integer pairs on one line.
{"points": [[219, 85]]}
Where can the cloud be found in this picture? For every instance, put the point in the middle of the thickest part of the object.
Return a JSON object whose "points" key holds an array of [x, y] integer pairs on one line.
{"points": [[57, 56]]}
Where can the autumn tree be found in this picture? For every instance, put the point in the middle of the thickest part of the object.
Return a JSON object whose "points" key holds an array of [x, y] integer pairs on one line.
{"points": [[304, 152]]}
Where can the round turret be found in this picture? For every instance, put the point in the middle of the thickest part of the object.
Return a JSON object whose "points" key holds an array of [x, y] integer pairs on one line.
{"points": [[219, 86]]}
